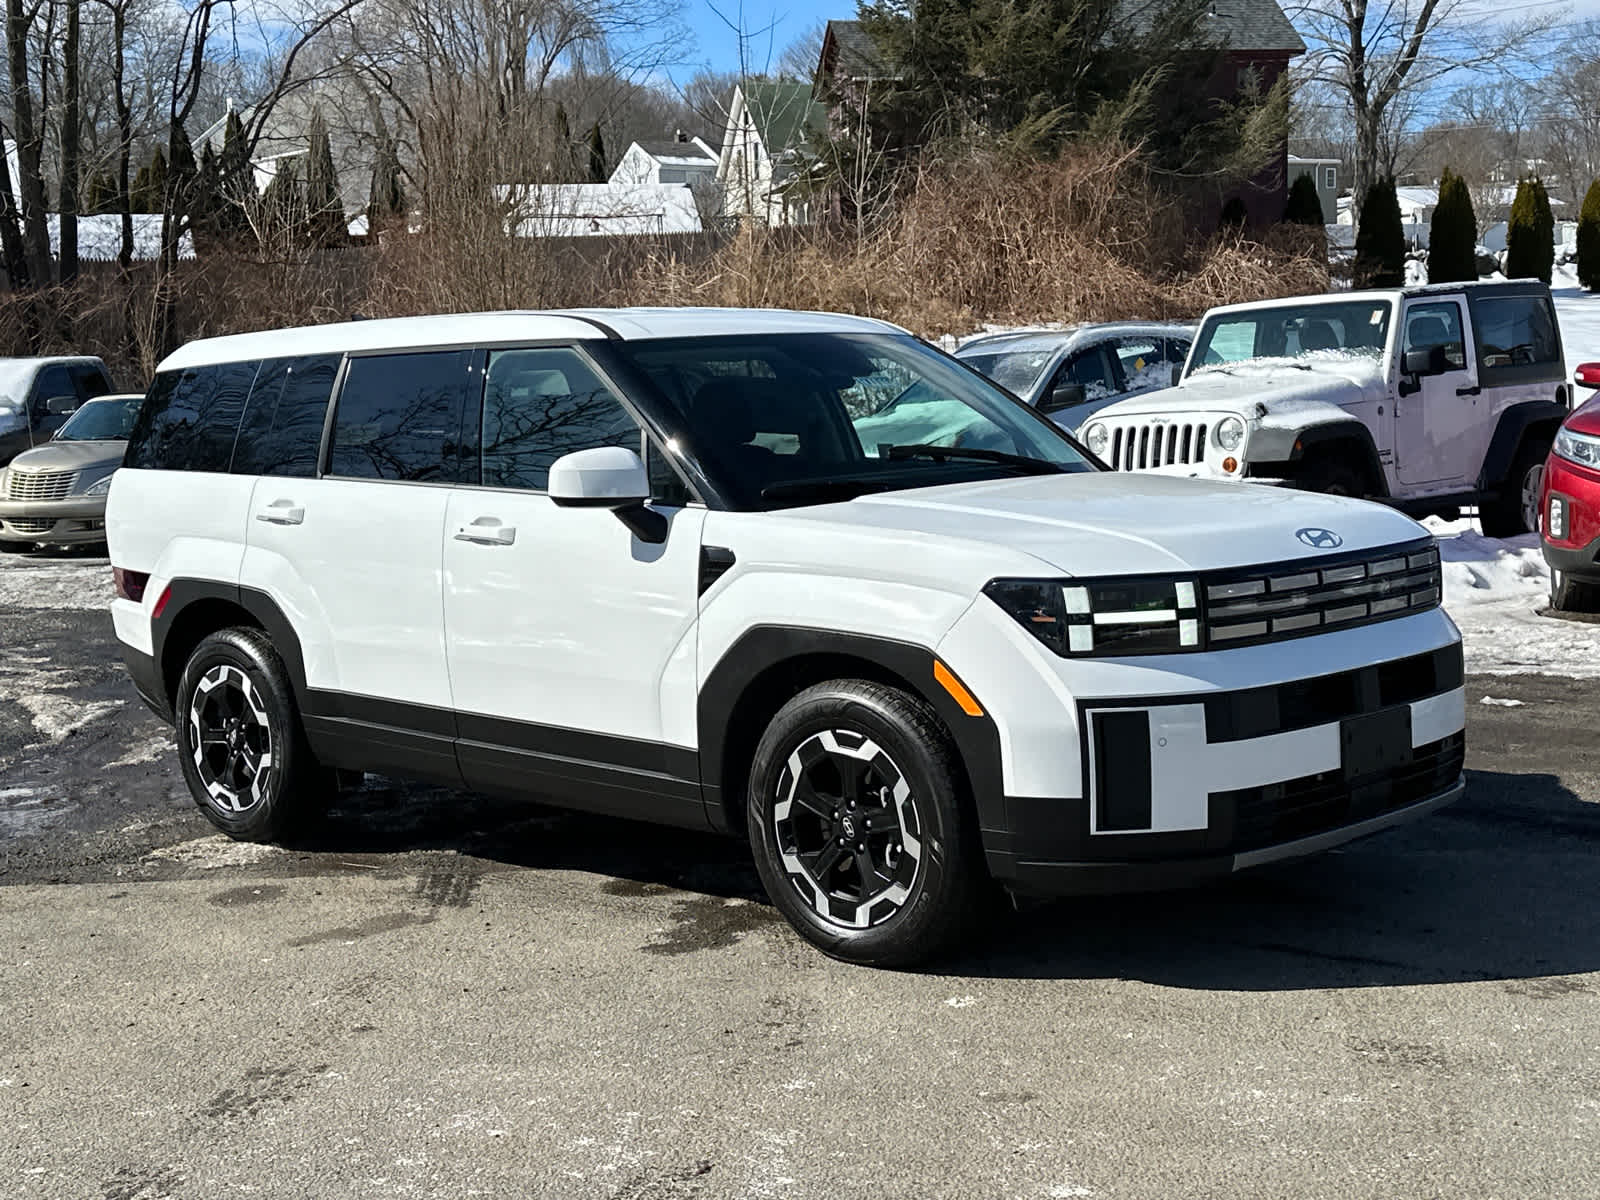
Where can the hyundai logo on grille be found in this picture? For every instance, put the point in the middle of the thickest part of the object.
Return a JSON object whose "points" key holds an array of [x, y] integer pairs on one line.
{"points": [[1319, 539]]}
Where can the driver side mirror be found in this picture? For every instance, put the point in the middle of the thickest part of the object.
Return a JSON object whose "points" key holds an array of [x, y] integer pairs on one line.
{"points": [[1431, 361], [608, 477], [1587, 375], [61, 406], [1063, 396]]}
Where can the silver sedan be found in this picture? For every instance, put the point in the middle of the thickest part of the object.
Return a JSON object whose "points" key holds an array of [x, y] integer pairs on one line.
{"points": [[55, 494]]}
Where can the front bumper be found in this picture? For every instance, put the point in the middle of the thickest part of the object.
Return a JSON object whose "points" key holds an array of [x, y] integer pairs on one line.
{"points": [[1578, 490], [58, 522]]}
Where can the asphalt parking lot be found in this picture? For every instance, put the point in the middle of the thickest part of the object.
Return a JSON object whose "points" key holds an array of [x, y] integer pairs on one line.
{"points": [[440, 995]]}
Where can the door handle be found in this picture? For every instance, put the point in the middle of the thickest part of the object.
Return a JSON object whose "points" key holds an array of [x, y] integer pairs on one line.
{"points": [[282, 512], [487, 531], [1469, 391]]}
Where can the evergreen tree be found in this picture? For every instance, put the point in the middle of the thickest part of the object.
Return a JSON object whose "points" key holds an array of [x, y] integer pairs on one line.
{"points": [[100, 197], [205, 207], [561, 156], [236, 178], [1381, 240], [1530, 233], [1589, 239], [183, 173], [1304, 206], [149, 192], [597, 155], [283, 206], [1234, 214], [324, 207], [1453, 233]]}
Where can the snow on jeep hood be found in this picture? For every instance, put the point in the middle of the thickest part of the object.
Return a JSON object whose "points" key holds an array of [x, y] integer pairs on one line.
{"points": [[1339, 379], [1109, 523]]}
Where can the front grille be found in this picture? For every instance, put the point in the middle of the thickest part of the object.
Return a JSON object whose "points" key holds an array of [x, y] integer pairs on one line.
{"points": [[41, 485], [1141, 447], [29, 525], [1313, 804], [1264, 604]]}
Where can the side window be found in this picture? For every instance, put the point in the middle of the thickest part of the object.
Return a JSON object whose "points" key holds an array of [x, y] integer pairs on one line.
{"points": [[1092, 369], [49, 383], [1144, 365], [190, 418], [540, 404], [282, 429], [1439, 324], [92, 381], [1516, 331], [399, 417]]}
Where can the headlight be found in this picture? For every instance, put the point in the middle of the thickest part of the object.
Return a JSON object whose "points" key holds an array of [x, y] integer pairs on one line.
{"points": [[1104, 617], [1097, 438], [100, 487], [1229, 433], [1581, 448]]}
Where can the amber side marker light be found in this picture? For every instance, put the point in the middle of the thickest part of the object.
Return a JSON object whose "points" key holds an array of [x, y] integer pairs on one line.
{"points": [[958, 692]]}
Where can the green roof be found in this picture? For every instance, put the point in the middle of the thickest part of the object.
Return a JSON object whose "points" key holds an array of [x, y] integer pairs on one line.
{"points": [[784, 113]]}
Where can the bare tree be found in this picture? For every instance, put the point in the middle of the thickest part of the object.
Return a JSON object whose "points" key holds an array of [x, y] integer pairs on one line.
{"points": [[1379, 55], [71, 127], [29, 131]]}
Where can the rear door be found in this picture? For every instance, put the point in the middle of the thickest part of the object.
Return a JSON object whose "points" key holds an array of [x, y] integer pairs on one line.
{"points": [[1436, 429], [349, 549], [571, 642]]}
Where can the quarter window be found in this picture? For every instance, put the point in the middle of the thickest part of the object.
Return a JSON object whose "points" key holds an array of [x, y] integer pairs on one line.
{"points": [[282, 428], [399, 417], [190, 418], [540, 404], [1516, 331]]}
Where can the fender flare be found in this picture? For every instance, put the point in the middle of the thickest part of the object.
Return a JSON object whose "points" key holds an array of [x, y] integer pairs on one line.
{"points": [[1509, 434], [185, 594], [763, 648]]}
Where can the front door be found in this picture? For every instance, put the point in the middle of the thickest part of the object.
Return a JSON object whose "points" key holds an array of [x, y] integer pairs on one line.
{"points": [[571, 643], [52, 383], [1436, 427]]}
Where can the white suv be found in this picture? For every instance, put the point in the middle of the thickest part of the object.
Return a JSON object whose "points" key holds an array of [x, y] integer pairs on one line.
{"points": [[1428, 398], [640, 562]]}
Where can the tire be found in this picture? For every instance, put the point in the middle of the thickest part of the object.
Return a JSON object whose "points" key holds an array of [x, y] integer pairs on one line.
{"points": [[1331, 476], [1571, 595], [240, 741], [922, 889], [1515, 507]]}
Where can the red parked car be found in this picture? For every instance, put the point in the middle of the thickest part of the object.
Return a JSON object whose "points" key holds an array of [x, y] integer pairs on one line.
{"points": [[1570, 504]]}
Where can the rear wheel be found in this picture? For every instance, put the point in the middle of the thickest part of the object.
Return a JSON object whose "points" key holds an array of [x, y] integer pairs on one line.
{"points": [[860, 825], [1571, 595], [240, 741], [1515, 508]]}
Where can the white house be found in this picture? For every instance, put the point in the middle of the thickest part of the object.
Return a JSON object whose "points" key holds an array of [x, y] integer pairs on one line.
{"points": [[764, 151], [682, 160], [570, 210]]}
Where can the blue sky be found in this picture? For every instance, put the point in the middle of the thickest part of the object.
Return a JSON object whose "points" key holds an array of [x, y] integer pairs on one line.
{"points": [[770, 25]]}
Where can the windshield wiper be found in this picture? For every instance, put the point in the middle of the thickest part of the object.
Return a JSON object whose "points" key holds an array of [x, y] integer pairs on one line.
{"points": [[1033, 466], [823, 489]]}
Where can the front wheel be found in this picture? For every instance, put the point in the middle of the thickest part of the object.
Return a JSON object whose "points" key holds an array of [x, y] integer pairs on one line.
{"points": [[1331, 476], [1515, 508], [861, 828], [243, 752], [1570, 595]]}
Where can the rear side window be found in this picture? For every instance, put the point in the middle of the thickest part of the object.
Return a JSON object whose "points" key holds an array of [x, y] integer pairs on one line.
{"points": [[92, 380], [1516, 331], [282, 429], [190, 418], [399, 417]]}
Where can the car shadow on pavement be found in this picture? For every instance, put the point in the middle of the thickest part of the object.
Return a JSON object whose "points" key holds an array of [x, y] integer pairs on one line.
{"points": [[1499, 886]]}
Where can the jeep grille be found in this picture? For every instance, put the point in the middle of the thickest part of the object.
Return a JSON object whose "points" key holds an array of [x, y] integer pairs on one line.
{"points": [[1141, 447]]}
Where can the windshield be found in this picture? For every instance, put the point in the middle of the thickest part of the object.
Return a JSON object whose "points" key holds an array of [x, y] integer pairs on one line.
{"points": [[1357, 328], [101, 421], [787, 419], [1016, 368]]}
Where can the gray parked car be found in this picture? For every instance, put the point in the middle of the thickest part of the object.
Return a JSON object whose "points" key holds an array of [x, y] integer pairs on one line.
{"points": [[56, 493], [1074, 373], [38, 394]]}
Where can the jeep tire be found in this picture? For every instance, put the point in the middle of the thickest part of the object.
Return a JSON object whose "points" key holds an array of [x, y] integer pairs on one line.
{"points": [[1514, 509], [240, 742], [1331, 475], [862, 828]]}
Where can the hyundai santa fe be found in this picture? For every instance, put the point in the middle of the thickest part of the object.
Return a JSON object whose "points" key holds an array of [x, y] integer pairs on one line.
{"points": [[657, 564]]}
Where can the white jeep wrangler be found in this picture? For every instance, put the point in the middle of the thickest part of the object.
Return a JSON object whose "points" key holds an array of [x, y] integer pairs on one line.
{"points": [[1428, 398]]}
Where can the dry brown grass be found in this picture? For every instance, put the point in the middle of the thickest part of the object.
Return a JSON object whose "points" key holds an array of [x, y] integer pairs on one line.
{"points": [[973, 241]]}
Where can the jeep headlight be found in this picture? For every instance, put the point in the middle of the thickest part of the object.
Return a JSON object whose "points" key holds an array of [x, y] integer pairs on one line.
{"points": [[1581, 448], [1097, 438], [1078, 618], [100, 487], [1229, 433]]}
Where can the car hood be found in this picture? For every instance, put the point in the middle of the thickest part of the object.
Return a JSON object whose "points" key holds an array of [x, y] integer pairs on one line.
{"points": [[1109, 523], [1275, 384], [71, 456]]}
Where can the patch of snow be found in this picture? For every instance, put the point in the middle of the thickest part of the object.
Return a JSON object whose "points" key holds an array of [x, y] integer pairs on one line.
{"points": [[1501, 702], [31, 581], [219, 850]]}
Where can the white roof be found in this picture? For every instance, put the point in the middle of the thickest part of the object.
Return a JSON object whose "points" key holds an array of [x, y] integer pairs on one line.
{"points": [[472, 329], [100, 237], [599, 209]]}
